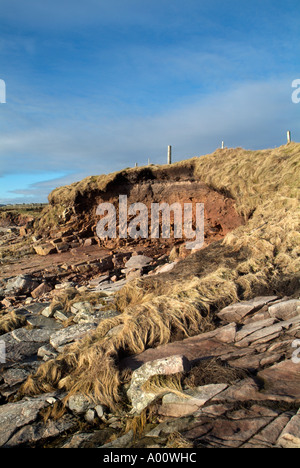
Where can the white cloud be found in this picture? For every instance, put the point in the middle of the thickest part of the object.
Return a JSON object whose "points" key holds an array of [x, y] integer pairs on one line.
{"points": [[252, 115]]}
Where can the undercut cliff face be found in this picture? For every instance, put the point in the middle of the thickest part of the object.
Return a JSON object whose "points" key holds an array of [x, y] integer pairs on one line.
{"points": [[74, 207]]}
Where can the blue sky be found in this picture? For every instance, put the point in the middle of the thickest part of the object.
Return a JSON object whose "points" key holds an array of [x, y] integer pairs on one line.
{"points": [[95, 86]]}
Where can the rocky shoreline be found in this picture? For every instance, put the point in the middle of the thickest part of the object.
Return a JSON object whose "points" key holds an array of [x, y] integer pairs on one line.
{"points": [[255, 407]]}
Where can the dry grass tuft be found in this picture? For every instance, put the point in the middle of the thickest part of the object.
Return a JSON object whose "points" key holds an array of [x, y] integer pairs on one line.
{"points": [[211, 371], [164, 383], [177, 441], [10, 321]]}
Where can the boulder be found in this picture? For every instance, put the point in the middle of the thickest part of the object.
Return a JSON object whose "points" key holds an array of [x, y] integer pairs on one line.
{"points": [[22, 284], [45, 249], [138, 261], [141, 399]]}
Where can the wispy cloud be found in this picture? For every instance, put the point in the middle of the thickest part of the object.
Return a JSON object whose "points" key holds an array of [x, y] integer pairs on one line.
{"points": [[96, 86]]}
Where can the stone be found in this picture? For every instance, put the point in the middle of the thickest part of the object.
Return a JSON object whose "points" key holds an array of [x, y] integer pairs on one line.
{"points": [[62, 316], [48, 312], [65, 285], [262, 335], [62, 247], [282, 379], [267, 437], [174, 405], [42, 289], [237, 312], [39, 321], [41, 431], [23, 231], [90, 416], [172, 365], [44, 249], [47, 352], [253, 327], [99, 411], [37, 307], [22, 284], [15, 376], [194, 348], [225, 334], [96, 281], [71, 334], [134, 274], [6, 303], [21, 351], [79, 404], [34, 336], [285, 310], [121, 442], [290, 437], [79, 307], [14, 416], [89, 242], [168, 427], [231, 433], [138, 261], [165, 268]]}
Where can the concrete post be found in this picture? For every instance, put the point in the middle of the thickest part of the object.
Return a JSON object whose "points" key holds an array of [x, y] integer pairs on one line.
{"points": [[169, 154], [289, 137], [222, 144]]}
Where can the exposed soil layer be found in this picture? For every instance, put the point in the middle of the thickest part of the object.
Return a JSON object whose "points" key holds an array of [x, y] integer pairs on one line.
{"points": [[220, 213]]}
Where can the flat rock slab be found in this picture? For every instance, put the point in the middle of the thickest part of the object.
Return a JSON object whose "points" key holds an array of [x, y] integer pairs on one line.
{"points": [[194, 349], [237, 312], [33, 433], [282, 379], [285, 310], [174, 405], [32, 336], [234, 431], [290, 437], [13, 416], [71, 334], [39, 321], [138, 261]]}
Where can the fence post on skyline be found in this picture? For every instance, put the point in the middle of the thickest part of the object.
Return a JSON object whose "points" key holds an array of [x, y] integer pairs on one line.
{"points": [[169, 154], [289, 137]]}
